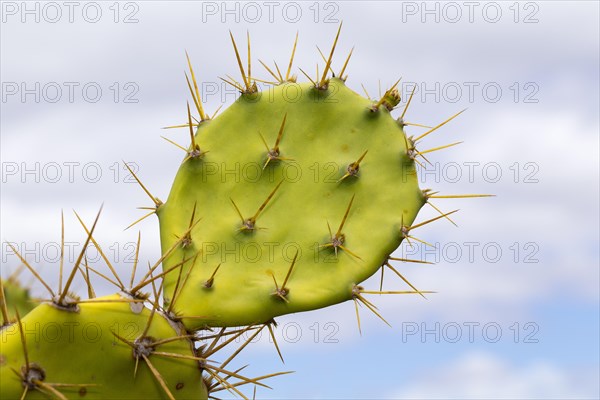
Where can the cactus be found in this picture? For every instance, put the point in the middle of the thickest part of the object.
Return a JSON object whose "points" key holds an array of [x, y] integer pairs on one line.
{"points": [[108, 348], [119, 346], [286, 202], [289, 199]]}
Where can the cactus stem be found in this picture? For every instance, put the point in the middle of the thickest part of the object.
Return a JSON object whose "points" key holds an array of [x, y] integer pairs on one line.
{"points": [[209, 282], [31, 269], [196, 97], [439, 125], [353, 168]]}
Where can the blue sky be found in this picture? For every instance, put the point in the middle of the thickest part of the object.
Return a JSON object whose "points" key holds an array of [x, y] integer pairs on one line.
{"points": [[526, 72]]}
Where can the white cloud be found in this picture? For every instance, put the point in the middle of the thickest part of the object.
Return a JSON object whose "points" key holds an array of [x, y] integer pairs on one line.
{"points": [[485, 376]]}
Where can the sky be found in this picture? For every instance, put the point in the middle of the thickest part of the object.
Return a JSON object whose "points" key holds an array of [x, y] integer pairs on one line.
{"points": [[86, 85]]}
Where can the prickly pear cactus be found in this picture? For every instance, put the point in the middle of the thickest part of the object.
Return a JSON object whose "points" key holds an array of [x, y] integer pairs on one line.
{"points": [[295, 225], [287, 200], [112, 348]]}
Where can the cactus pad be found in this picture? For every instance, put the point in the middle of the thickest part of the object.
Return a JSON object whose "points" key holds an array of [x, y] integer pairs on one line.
{"points": [[110, 348], [324, 183]]}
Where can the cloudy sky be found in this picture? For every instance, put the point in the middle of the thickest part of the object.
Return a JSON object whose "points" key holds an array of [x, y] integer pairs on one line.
{"points": [[87, 85]]}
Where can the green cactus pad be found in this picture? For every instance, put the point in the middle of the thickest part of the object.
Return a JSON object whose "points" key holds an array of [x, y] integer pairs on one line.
{"points": [[335, 149], [83, 354]]}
